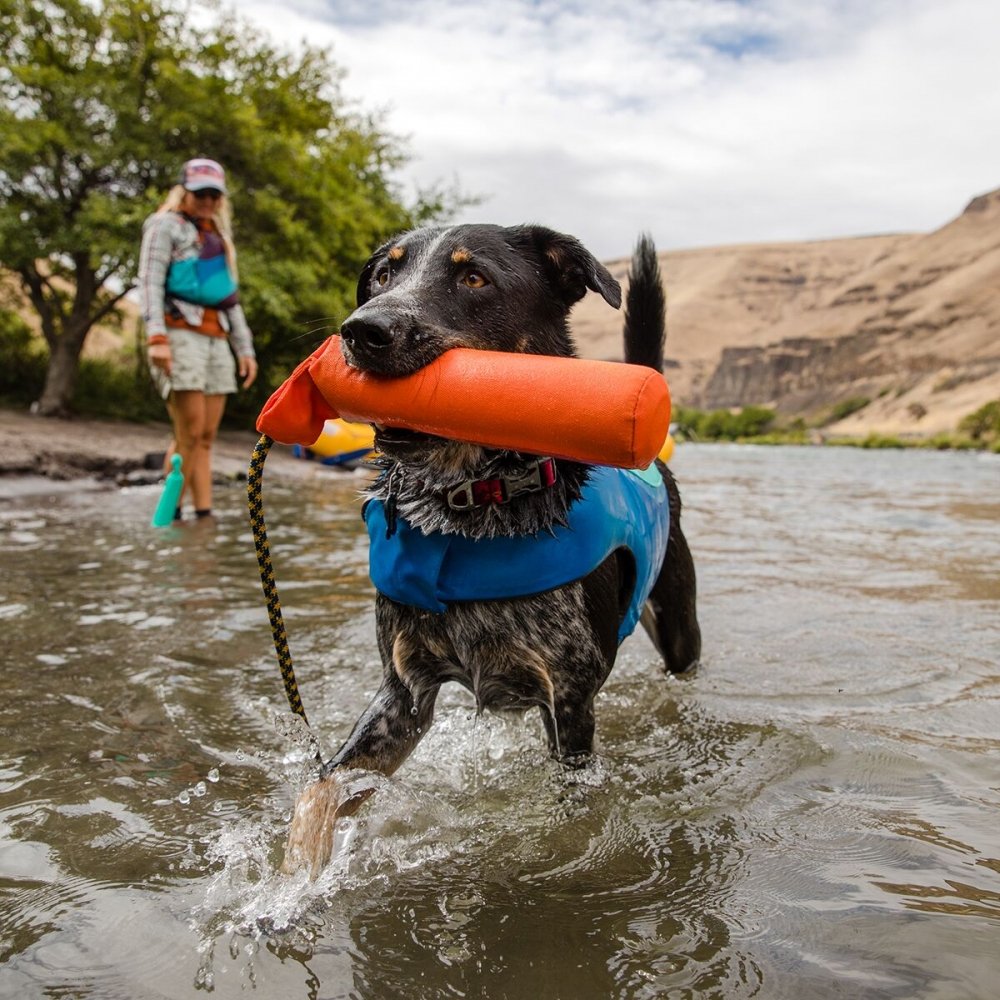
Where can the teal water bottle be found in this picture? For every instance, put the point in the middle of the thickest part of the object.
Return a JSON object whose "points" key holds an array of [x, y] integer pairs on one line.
{"points": [[171, 495]]}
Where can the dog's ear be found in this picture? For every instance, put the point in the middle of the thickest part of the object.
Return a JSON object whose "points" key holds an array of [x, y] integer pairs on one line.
{"points": [[573, 268]]}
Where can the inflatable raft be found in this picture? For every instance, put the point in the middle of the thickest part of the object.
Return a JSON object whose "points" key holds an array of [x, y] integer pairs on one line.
{"points": [[341, 443]]}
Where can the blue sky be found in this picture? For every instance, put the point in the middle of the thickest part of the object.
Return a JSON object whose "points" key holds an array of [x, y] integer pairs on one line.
{"points": [[703, 121]]}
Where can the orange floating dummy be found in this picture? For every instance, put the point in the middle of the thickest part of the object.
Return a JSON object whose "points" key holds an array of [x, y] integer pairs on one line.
{"points": [[599, 412]]}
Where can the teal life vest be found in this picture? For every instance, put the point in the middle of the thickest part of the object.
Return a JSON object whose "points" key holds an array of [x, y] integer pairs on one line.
{"points": [[205, 279], [618, 508]]}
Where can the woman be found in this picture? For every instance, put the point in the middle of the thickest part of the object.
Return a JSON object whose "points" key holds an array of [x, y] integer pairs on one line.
{"points": [[190, 305]]}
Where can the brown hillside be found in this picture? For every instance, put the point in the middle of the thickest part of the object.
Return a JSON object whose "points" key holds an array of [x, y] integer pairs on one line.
{"points": [[909, 321]]}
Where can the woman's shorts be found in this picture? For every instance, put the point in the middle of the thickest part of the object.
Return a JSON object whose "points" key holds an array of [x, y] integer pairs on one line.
{"points": [[200, 363]]}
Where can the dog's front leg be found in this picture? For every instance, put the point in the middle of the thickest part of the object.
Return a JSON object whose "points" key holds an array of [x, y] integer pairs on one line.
{"points": [[570, 733], [569, 722], [381, 740]]}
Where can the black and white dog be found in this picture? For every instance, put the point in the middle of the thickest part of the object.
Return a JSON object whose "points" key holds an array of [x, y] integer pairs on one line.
{"points": [[500, 289]]}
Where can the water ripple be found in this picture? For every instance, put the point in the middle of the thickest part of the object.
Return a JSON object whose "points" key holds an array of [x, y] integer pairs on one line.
{"points": [[811, 814]]}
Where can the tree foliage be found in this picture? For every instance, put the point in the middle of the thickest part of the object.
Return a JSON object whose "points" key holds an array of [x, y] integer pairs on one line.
{"points": [[101, 102], [723, 425], [984, 424]]}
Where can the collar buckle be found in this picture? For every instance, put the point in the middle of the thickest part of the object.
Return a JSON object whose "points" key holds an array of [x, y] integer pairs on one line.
{"points": [[539, 475], [460, 498]]}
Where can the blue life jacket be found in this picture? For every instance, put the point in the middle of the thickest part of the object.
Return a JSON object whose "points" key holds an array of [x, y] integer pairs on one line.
{"points": [[618, 508]]}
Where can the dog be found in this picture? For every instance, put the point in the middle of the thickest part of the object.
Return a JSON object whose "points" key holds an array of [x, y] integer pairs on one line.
{"points": [[497, 289]]}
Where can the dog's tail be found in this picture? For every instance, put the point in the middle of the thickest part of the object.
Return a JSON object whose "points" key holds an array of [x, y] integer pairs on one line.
{"points": [[645, 308]]}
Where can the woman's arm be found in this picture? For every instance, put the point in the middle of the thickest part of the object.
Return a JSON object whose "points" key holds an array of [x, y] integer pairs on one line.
{"points": [[241, 341], [155, 254]]}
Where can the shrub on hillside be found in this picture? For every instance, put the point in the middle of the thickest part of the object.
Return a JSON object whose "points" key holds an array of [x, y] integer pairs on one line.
{"points": [[846, 407], [984, 424]]}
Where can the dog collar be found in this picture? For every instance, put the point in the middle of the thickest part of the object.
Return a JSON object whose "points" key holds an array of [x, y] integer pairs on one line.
{"points": [[537, 475]]}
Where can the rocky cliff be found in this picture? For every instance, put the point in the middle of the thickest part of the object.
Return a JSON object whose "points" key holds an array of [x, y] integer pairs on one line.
{"points": [[910, 322]]}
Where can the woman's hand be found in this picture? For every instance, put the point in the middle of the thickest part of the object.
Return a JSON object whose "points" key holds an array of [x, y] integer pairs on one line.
{"points": [[248, 371], [159, 357]]}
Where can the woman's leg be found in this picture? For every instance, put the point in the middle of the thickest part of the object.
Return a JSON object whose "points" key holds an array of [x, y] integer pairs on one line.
{"points": [[214, 407], [196, 421], [188, 412]]}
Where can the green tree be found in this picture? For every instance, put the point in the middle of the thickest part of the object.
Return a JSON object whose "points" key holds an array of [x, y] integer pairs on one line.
{"points": [[984, 424], [722, 425], [100, 103]]}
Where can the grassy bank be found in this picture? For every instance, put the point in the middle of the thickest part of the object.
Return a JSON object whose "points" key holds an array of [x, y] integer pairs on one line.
{"points": [[979, 431]]}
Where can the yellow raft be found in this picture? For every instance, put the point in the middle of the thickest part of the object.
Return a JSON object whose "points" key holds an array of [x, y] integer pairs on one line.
{"points": [[345, 443], [341, 443]]}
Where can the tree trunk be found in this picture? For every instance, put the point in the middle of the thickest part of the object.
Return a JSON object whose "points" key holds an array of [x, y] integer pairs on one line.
{"points": [[60, 377], [65, 331]]}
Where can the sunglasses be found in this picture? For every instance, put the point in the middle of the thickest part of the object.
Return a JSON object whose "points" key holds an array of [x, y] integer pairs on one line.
{"points": [[208, 193]]}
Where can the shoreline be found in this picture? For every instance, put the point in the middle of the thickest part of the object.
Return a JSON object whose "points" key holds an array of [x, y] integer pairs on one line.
{"points": [[114, 453], [54, 449]]}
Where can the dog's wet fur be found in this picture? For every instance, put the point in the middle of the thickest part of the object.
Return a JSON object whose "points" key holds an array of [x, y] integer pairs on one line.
{"points": [[501, 289]]}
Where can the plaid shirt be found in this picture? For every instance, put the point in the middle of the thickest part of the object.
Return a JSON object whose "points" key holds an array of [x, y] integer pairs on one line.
{"points": [[167, 237]]}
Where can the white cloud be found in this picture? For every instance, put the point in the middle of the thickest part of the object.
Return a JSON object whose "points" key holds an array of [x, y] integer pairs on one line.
{"points": [[704, 121]]}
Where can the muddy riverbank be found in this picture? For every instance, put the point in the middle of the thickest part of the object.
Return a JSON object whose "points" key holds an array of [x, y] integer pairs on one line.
{"points": [[111, 451]]}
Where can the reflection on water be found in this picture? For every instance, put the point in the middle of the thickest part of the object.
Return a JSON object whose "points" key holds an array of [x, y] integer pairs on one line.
{"points": [[813, 814]]}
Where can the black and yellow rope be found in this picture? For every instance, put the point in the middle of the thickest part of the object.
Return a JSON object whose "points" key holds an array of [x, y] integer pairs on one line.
{"points": [[278, 633]]}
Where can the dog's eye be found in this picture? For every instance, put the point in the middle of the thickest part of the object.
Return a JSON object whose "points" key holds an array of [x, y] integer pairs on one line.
{"points": [[383, 276], [473, 279]]}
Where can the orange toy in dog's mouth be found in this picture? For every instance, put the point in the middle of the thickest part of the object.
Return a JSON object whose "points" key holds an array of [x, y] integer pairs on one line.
{"points": [[597, 412]]}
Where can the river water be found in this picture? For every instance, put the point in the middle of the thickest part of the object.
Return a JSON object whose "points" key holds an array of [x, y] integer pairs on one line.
{"points": [[813, 814]]}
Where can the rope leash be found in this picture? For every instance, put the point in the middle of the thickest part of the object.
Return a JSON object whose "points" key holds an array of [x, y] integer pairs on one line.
{"points": [[256, 505]]}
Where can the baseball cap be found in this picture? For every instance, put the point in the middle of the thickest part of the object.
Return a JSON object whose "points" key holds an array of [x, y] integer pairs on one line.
{"points": [[200, 174]]}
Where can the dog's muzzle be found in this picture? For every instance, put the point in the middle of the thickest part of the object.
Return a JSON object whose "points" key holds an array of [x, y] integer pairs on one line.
{"points": [[365, 334]]}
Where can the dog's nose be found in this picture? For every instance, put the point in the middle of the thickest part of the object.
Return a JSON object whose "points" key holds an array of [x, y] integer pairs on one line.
{"points": [[367, 334]]}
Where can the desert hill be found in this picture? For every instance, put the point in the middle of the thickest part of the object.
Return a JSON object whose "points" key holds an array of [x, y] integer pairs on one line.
{"points": [[910, 322]]}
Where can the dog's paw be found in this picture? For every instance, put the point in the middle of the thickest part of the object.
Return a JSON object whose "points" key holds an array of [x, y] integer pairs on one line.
{"points": [[310, 839]]}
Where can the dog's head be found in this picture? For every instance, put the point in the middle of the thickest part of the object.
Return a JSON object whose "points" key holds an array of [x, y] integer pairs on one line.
{"points": [[481, 286]]}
